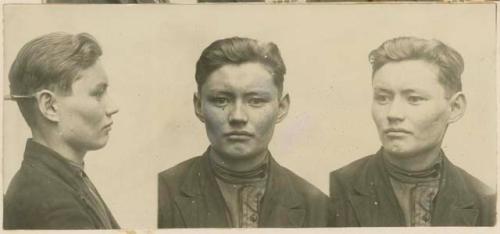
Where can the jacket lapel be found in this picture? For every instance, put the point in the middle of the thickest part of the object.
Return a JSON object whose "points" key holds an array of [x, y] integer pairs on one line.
{"points": [[455, 205], [282, 206], [373, 199], [36, 154], [201, 203]]}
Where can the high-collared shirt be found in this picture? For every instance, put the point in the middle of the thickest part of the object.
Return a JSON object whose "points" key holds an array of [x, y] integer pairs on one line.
{"points": [[415, 191], [242, 192]]}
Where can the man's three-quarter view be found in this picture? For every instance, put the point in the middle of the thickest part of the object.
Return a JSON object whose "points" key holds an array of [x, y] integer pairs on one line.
{"points": [[60, 87], [417, 94], [237, 182]]}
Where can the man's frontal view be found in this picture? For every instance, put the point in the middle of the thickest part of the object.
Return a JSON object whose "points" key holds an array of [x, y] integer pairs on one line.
{"points": [[417, 94], [237, 182]]}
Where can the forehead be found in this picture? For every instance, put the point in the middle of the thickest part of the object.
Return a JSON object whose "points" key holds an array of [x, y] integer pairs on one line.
{"points": [[246, 77], [90, 77], [409, 74]]}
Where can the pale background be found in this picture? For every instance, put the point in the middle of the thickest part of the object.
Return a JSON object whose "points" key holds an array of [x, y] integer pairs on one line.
{"points": [[150, 54]]}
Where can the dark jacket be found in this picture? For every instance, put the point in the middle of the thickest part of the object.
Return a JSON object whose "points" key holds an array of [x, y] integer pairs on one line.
{"points": [[46, 193], [188, 196], [362, 195]]}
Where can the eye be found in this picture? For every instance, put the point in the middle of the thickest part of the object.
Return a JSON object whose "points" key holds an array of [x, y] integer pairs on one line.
{"points": [[415, 99], [98, 93], [257, 102], [381, 98], [220, 101]]}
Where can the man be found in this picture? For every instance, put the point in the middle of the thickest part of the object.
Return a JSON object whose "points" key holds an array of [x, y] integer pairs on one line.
{"points": [[417, 93], [61, 89], [236, 182]]}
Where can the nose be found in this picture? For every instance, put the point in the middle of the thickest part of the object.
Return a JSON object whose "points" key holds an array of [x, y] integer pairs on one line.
{"points": [[237, 114], [111, 107], [396, 110]]}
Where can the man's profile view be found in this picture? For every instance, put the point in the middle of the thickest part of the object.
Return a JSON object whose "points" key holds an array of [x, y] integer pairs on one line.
{"points": [[417, 94], [237, 182], [60, 87]]}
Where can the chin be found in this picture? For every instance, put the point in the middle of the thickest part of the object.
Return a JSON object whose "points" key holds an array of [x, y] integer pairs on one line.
{"points": [[97, 145], [397, 150], [238, 153]]}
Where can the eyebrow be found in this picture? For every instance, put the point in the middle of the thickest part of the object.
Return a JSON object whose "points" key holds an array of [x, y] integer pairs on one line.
{"points": [[217, 91], [405, 91], [258, 93], [102, 85], [408, 91], [378, 89]]}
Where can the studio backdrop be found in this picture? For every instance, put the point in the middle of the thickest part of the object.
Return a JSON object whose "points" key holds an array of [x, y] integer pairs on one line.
{"points": [[150, 54]]}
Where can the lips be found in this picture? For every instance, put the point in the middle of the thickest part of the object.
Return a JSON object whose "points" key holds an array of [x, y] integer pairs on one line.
{"points": [[396, 132], [107, 126], [239, 135]]}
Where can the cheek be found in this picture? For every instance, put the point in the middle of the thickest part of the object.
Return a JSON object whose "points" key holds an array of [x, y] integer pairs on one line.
{"points": [[86, 113], [377, 115], [432, 123], [215, 118], [265, 120]]}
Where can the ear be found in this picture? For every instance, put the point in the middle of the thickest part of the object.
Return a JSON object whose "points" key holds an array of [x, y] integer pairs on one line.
{"points": [[458, 104], [47, 105], [283, 108], [197, 107]]}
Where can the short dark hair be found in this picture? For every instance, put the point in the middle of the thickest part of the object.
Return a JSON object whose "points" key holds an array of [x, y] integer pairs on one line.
{"points": [[52, 61], [237, 50], [448, 60]]}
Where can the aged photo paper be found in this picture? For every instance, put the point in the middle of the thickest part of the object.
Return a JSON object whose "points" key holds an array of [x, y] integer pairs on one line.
{"points": [[150, 54]]}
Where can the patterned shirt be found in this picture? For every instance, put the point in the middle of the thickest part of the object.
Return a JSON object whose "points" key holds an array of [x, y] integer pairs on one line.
{"points": [[415, 191], [243, 193]]}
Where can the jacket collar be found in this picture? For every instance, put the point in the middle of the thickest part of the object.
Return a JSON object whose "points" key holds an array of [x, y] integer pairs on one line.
{"points": [[375, 203], [202, 205], [455, 204], [39, 156], [373, 200], [282, 205]]}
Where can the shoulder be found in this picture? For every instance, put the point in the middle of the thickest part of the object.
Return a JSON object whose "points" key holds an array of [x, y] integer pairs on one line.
{"points": [[475, 185], [302, 186], [178, 171], [35, 195], [33, 184], [353, 169]]}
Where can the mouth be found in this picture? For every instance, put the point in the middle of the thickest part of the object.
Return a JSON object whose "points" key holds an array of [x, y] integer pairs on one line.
{"points": [[238, 135], [107, 126], [396, 132]]}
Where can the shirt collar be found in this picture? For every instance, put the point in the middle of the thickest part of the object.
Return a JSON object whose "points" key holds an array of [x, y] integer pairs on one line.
{"points": [[431, 173]]}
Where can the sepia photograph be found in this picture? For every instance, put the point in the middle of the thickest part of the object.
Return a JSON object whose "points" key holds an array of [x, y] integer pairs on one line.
{"points": [[249, 115]]}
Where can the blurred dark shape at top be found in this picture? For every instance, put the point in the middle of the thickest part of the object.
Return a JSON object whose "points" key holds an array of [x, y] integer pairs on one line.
{"points": [[107, 1], [218, 1]]}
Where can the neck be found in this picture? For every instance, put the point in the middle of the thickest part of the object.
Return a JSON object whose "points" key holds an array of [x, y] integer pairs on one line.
{"points": [[415, 162], [240, 164], [58, 145]]}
